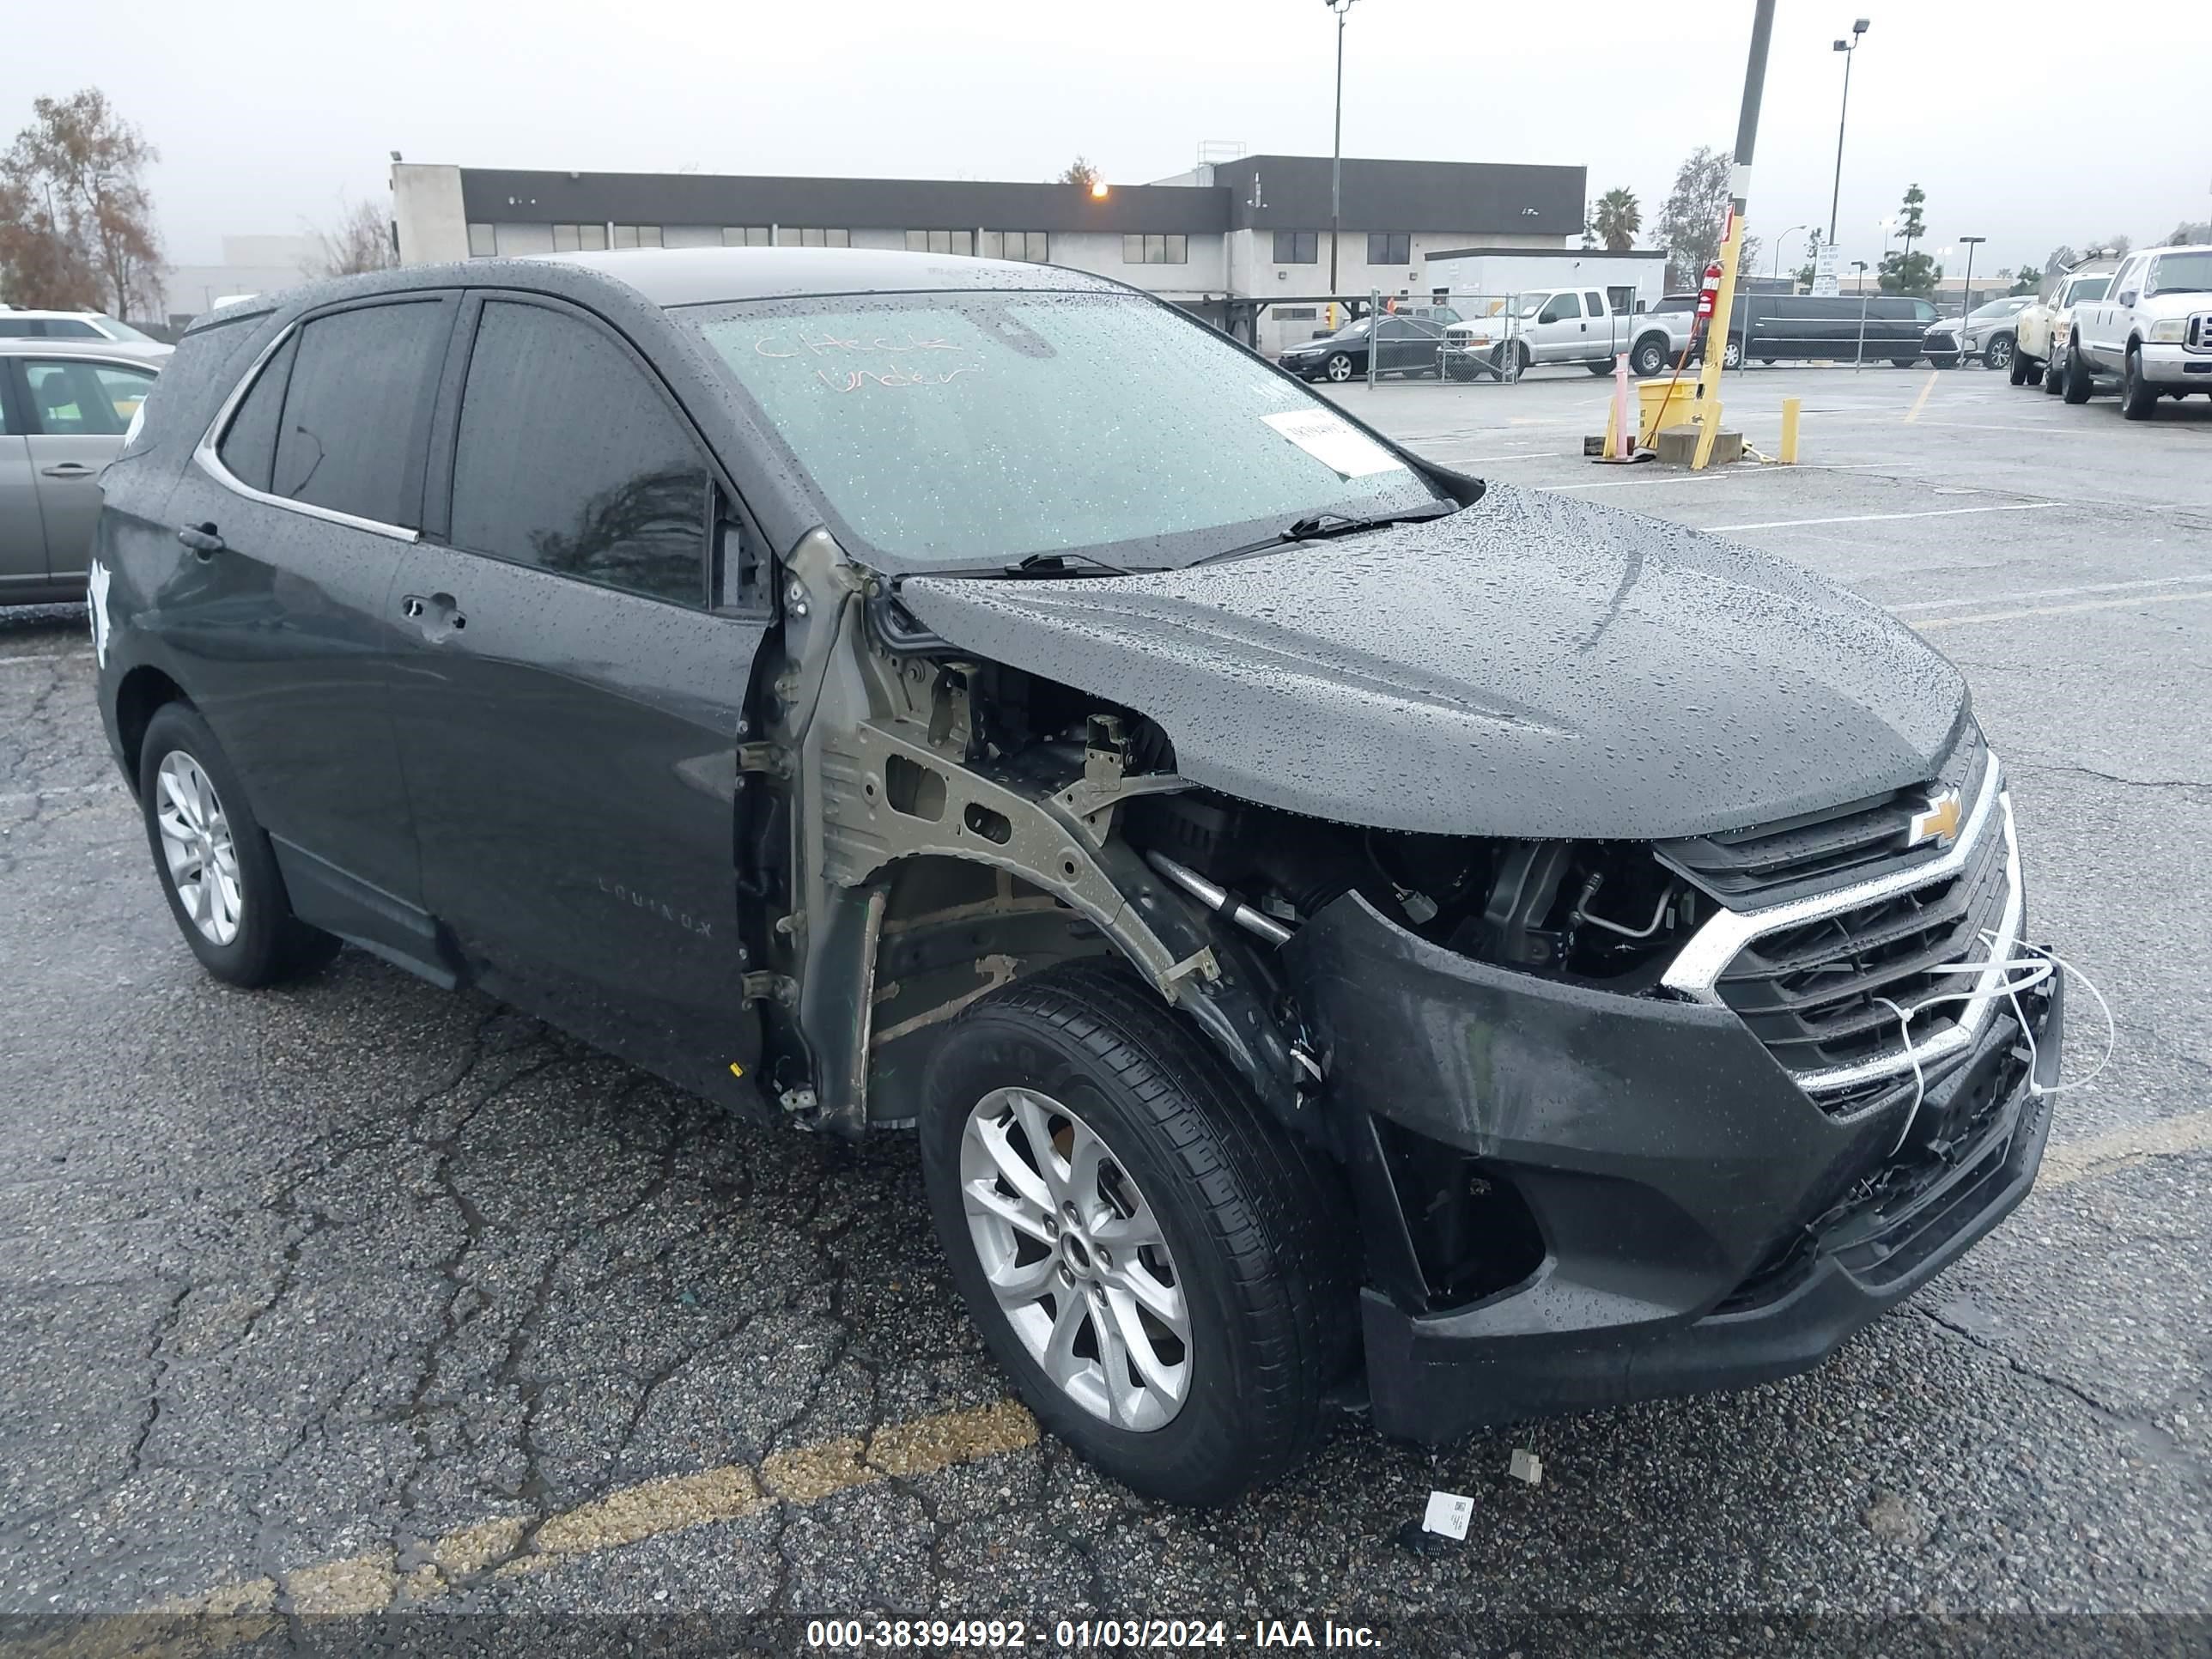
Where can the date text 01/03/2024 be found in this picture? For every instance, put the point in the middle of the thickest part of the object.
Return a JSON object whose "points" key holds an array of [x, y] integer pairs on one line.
{"points": [[1083, 1633]]}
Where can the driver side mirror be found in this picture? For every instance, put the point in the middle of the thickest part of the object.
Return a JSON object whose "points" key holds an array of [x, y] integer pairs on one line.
{"points": [[2129, 298]]}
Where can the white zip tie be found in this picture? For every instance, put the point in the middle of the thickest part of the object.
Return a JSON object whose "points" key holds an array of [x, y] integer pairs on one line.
{"points": [[2038, 967]]}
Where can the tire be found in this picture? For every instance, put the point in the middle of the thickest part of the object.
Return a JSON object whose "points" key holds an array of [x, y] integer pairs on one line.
{"points": [[1605, 367], [2138, 397], [1999, 354], [1338, 367], [1251, 1229], [1903, 362], [1946, 360], [198, 824], [2033, 374], [2080, 383], [1732, 355], [2018, 365], [2054, 377], [1462, 369], [1650, 358]]}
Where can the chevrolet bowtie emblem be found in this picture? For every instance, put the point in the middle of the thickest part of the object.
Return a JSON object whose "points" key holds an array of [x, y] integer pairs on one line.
{"points": [[1937, 822]]}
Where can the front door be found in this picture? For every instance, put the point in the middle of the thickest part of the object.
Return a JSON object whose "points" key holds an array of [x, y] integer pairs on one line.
{"points": [[22, 533], [80, 409], [296, 521], [1558, 329], [568, 715]]}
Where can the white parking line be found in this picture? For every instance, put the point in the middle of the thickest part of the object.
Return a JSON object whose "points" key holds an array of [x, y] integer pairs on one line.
{"points": [[1873, 517], [45, 656], [2050, 593], [2057, 610]]}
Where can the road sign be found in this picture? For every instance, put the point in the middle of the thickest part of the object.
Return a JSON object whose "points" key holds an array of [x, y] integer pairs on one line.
{"points": [[1825, 265]]}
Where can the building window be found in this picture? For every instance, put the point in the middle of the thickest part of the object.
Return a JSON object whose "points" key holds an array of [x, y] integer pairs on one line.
{"points": [[573, 239], [940, 241], [1294, 313], [1034, 246], [637, 236], [483, 242], [1155, 250], [1390, 247], [745, 235], [811, 236], [1297, 247]]}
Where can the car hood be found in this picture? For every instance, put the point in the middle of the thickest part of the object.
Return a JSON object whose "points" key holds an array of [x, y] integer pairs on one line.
{"points": [[1530, 667]]}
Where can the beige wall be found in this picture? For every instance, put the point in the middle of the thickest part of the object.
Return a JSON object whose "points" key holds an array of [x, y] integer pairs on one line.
{"points": [[426, 206]]}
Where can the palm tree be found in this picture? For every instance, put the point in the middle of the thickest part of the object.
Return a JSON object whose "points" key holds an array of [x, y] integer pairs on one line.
{"points": [[1618, 218]]}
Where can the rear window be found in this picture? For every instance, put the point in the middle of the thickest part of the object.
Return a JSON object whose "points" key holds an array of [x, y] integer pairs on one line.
{"points": [[355, 409]]}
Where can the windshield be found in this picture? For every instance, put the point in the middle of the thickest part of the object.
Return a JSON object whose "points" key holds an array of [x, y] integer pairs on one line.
{"points": [[1531, 304], [958, 430], [2180, 273], [2089, 288], [1996, 308]]}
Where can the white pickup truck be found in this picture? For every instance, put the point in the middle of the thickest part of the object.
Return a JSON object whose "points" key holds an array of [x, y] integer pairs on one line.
{"points": [[1564, 325], [2040, 330], [2152, 329]]}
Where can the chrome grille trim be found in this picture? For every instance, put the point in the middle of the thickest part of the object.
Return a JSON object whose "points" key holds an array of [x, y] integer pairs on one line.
{"points": [[1697, 970]]}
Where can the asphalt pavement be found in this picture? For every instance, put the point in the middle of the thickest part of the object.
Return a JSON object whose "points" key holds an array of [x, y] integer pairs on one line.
{"points": [[360, 1297]]}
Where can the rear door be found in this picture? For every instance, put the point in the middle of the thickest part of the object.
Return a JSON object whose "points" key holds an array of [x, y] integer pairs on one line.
{"points": [[1598, 326], [301, 500], [569, 711], [79, 408]]}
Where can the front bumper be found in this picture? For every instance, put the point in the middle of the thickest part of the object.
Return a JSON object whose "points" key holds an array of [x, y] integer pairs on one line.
{"points": [[1704, 1223], [2177, 366]]}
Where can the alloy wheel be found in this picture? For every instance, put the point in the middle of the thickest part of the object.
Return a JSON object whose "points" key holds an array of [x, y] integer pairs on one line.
{"points": [[198, 847], [1339, 367], [1076, 1259]]}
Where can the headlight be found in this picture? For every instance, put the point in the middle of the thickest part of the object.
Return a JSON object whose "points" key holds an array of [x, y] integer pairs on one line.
{"points": [[2170, 331]]}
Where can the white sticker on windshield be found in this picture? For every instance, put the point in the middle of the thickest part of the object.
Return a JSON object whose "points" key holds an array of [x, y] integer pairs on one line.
{"points": [[1334, 442]]}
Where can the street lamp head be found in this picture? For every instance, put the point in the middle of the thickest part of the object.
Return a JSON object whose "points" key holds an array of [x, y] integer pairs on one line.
{"points": [[1860, 25], [1843, 46]]}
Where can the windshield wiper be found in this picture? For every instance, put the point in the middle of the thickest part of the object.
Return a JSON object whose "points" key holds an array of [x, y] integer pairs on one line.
{"points": [[1035, 564], [1320, 527]]}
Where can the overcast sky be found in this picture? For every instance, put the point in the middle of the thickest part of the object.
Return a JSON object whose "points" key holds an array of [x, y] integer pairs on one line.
{"points": [[2032, 124]]}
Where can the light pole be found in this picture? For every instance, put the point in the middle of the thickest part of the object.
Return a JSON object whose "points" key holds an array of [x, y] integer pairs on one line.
{"points": [[1967, 295], [1779, 243], [1336, 151], [1860, 266], [1850, 49]]}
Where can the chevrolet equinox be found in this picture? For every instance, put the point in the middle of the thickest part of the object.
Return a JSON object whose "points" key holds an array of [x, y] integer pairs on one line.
{"points": [[1341, 933]]}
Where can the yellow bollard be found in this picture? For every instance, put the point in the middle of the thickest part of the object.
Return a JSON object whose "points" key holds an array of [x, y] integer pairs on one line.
{"points": [[1790, 406]]}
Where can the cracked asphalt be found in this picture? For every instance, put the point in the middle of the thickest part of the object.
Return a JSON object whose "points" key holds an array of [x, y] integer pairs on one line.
{"points": [[360, 1296]]}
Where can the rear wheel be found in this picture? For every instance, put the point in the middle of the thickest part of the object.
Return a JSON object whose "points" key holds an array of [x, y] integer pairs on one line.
{"points": [[1158, 1265], [2138, 397], [216, 865], [1650, 357], [1998, 354], [2079, 381], [1903, 362], [1732, 355]]}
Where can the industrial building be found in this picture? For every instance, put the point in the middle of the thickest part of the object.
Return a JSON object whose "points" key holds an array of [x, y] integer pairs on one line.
{"points": [[1243, 242]]}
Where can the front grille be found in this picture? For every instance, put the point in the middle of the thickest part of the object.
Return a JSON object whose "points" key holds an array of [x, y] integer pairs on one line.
{"points": [[1940, 342], [1819, 852], [2200, 331], [1818, 994]]}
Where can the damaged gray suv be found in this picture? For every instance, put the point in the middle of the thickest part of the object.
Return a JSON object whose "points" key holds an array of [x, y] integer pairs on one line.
{"points": [[1342, 934]]}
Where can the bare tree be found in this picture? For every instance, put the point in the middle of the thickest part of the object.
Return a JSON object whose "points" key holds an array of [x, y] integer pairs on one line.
{"points": [[1082, 173], [39, 267], [1689, 223], [361, 240], [76, 181]]}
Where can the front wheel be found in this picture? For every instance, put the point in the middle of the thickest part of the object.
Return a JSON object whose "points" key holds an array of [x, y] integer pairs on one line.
{"points": [[2138, 397], [2054, 376], [1998, 354], [1903, 362], [2017, 364], [214, 864], [1158, 1265], [1338, 367], [1603, 366]]}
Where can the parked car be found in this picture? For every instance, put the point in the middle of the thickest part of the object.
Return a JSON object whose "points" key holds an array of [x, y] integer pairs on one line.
{"points": [[1327, 944], [1564, 325], [1405, 347], [1984, 334], [2040, 329], [1771, 328], [17, 325], [2151, 331], [65, 407]]}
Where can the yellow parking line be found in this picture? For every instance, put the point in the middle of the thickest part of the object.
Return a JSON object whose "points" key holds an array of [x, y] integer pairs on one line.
{"points": [[651, 1509], [2169, 1137], [2054, 610], [1921, 402]]}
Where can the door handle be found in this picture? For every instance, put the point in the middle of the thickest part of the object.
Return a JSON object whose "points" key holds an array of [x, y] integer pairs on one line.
{"points": [[67, 470], [201, 538]]}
